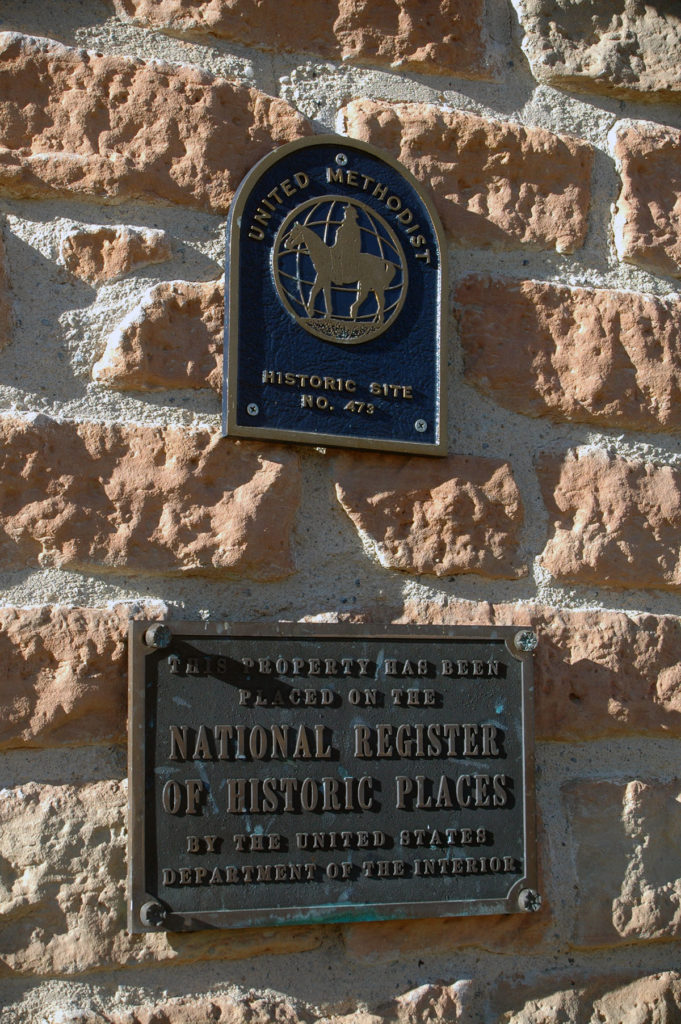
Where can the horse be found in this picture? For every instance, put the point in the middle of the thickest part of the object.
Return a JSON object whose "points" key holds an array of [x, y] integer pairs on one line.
{"points": [[372, 273]]}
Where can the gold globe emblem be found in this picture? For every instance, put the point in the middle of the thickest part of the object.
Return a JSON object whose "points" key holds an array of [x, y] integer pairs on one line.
{"points": [[339, 270]]}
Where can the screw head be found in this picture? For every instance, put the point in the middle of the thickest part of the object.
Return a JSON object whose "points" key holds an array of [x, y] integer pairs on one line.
{"points": [[341, 159], [421, 426], [252, 409], [526, 640], [529, 900], [152, 914], [158, 635]]}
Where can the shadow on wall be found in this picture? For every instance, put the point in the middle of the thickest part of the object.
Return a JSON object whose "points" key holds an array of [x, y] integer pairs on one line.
{"points": [[58, 19]]}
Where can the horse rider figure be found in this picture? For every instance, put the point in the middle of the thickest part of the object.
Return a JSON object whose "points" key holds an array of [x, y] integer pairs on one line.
{"points": [[343, 262], [346, 249]]}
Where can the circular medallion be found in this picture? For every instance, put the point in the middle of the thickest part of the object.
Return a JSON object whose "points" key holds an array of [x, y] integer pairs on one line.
{"points": [[339, 270]]}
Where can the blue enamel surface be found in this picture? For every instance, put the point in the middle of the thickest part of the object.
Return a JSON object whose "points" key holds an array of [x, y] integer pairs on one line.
{"points": [[269, 337]]}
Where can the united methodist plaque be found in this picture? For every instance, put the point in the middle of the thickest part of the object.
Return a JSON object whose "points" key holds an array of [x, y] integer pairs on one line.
{"points": [[335, 298], [292, 773]]}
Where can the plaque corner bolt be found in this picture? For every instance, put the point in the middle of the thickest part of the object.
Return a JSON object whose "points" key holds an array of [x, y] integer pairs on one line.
{"points": [[153, 914], [526, 640], [158, 635], [529, 900]]}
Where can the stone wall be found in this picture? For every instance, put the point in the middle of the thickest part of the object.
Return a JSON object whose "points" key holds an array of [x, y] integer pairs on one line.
{"points": [[549, 135]]}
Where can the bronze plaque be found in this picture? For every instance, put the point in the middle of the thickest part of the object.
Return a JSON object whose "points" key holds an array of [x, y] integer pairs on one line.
{"points": [[286, 774]]}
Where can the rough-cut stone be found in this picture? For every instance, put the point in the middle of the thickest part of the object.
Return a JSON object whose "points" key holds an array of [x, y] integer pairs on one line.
{"points": [[385, 941], [647, 222], [596, 673], [620, 47], [606, 999], [171, 339], [104, 253], [613, 522], [358, 1017], [434, 1004], [62, 890], [495, 184], [562, 1005], [144, 499], [441, 37], [627, 855], [575, 354], [251, 1009], [444, 37], [115, 128], [446, 516], [607, 673], [6, 318], [656, 997], [65, 676]]}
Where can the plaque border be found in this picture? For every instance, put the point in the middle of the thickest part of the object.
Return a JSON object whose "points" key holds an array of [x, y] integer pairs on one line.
{"points": [[230, 427], [137, 896]]}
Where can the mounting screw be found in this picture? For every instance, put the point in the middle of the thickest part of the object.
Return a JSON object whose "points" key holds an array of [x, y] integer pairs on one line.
{"points": [[158, 635], [252, 409], [152, 914], [529, 900], [526, 640], [421, 426], [341, 159]]}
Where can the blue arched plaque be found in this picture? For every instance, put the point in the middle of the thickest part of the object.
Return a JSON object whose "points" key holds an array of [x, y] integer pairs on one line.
{"points": [[335, 299]]}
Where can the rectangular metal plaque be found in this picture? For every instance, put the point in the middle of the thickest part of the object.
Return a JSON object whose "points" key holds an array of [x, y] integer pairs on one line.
{"points": [[287, 773]]}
